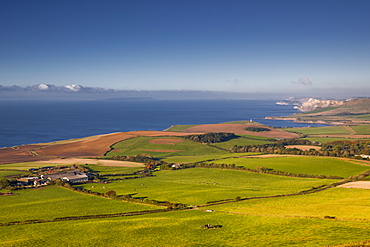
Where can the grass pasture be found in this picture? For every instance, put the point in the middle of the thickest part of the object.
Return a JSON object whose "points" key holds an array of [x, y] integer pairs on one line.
{"points": [[300, 165], [158, 147], [243, 140], [201, 185], [361, 129], [330, 139], [327, 130], [179, 128], [202, 158], [51, 202], [112, 169], [24, 165], [11, 173], [183, 228], [342, 203]]}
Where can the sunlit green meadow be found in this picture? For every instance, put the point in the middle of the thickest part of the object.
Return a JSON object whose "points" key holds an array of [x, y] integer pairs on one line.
{"points": [[51, 202], [201, 185], [145, 145], [113, 169], [183, 228], [201, 158], [7, 174], [300, 165], [342, 203], [328, 130]]}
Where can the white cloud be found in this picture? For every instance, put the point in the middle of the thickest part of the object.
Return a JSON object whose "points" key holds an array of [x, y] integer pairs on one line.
{"points": [[303, 81]]}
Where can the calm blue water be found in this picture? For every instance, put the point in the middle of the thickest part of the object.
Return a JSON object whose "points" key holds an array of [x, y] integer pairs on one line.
{"points": [[25, 122]]}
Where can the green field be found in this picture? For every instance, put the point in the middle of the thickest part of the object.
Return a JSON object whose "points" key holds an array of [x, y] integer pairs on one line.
{"points": [[330, 139], [361, 129], [301, 165], [320, 110], [183, 228], [112, 169], [342, 203], [201, 158], [179, 128], [143, 145], [201, 185], [328, 130], [289, 220], [24, 165], [51, 202], [244, 140], [7, 174]]}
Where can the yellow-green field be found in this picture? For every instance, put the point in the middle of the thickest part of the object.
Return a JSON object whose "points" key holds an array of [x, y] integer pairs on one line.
{"points": [[254, 209]]}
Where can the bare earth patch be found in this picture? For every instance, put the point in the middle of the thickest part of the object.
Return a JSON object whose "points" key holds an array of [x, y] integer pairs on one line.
{"points": [[303, 147], [100, 162], [89, 147], [357, 185]]}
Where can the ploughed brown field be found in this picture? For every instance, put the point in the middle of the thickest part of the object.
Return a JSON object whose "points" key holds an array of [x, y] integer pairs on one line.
{"points": [[97, 146], [90, 147]]}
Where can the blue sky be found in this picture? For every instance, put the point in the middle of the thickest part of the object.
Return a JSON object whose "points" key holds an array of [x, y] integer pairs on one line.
{"points": [[300, 46]]}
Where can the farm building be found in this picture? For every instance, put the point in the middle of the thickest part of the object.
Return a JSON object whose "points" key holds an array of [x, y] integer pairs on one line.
{"points": [[70, 176]]}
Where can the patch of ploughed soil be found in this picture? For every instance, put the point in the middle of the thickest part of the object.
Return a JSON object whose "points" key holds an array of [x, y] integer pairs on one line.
{"points": [[165, 141], [90, 147], [10, 155], [240, 129], [357, 185], [100, 162]]}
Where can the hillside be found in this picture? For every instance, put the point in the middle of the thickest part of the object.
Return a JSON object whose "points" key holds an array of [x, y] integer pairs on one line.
{"points": [[230, 184], [351, 112]]}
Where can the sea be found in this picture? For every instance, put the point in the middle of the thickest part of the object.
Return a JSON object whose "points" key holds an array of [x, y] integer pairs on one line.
{"points": [[27, 122]]}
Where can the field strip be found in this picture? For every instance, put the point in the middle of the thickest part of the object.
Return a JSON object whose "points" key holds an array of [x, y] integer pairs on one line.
{"points": [[100, 162], [85, 217], [289, 216]]}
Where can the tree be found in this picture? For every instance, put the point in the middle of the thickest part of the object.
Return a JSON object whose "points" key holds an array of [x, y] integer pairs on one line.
{"points": [[110, 194]]}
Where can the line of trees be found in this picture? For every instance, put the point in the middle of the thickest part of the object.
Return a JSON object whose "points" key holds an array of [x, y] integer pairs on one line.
{"points": [[211, 137], [348, 149], [265, 170], [257, 129]]}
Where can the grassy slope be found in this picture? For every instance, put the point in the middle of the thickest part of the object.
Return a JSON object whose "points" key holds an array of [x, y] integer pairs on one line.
{"points": [[362, 129], [242, 141], [328, 130], [301, 165], [53, 202], [7, 174], [140, 145], [112, 169], [342, 203], [178, 128], [206, 157], [331, 139], [184, 229], [196, 185]]}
